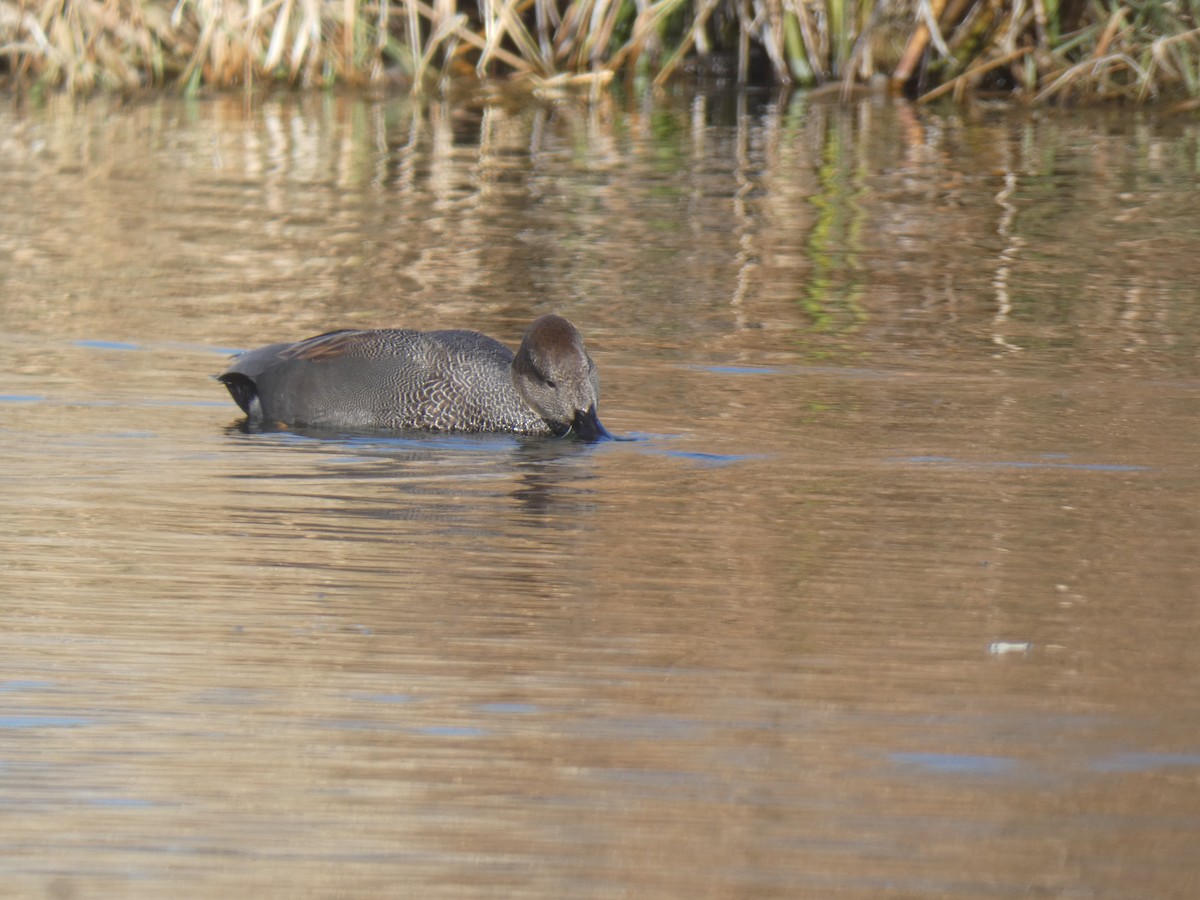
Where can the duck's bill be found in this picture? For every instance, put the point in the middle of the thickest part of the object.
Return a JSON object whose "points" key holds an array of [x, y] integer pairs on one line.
{"points": [[587, 427]]}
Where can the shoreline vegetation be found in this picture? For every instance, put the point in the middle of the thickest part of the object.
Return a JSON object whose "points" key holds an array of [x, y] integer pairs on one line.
{"points": [[1037, 51]]}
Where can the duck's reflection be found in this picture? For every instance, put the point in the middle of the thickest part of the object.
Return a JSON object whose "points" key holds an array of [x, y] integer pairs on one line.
{"points": [[476, 480]]}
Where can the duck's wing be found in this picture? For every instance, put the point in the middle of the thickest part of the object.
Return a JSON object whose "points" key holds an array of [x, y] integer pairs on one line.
{"points": [[331, 345], [253, 363], [340, 378], [242, 374]]}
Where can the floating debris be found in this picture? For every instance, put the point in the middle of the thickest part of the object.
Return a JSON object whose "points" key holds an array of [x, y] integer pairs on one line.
{"points": [[1000, 648]]}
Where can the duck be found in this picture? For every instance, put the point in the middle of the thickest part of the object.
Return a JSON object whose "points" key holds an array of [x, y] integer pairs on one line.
{"points": [[398, 379]]}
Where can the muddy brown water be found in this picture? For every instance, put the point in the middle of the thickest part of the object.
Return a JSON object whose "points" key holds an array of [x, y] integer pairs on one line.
{"points": [[894, 594]]}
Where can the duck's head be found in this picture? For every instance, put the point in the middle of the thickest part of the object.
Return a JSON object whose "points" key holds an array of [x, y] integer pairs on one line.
{"points": [[554, 375]]}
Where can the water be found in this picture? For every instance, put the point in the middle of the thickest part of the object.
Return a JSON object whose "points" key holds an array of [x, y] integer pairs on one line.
{"points": [[893, 595]]}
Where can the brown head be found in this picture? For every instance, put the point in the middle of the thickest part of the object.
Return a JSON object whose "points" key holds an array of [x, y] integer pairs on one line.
{"points": [[554, 375]]}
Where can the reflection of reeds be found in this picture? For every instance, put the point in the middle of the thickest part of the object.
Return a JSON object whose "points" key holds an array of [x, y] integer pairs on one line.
{"points": [[1046, 49]]}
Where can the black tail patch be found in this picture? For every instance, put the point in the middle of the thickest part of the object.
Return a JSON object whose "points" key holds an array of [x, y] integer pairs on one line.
{"points": [[241, 388]]}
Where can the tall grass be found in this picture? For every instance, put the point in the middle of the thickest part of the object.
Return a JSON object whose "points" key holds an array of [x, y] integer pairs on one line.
{"points": [[1048, 50]]}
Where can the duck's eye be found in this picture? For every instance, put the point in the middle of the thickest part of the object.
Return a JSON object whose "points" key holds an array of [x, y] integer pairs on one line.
{"points": [[541, 375]]}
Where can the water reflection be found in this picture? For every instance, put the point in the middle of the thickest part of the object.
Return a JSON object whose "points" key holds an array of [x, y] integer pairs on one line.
{"points": [[892, 595], [545, 477], [776, 214]]}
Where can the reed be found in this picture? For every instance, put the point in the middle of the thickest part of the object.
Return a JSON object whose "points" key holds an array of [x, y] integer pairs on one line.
{"points": [[1041, 50]]}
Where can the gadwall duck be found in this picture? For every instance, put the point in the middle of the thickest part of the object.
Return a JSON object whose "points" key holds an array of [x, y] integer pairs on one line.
{"points": [[396, 379]]}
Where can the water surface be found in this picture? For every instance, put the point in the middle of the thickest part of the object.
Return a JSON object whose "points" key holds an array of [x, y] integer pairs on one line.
{"points": [[894, 594]]}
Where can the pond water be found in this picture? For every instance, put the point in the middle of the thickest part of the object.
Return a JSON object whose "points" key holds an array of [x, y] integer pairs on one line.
{"points": [[893, 594]]}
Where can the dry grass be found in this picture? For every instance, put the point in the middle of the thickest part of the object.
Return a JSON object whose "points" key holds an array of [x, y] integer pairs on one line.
{"points": [[1047, 50]]}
